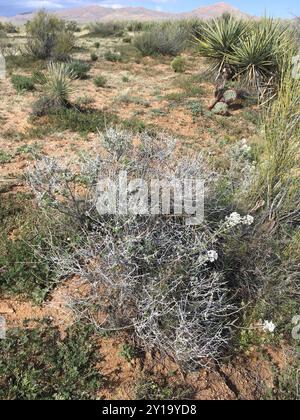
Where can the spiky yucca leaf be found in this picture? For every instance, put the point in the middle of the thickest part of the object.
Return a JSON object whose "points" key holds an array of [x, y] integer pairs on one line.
{"points": [[256, 58], [58, 83], [218, 39]]}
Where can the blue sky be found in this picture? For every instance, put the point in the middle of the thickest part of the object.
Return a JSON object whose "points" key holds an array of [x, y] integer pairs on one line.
{"points": [[281, 8]]}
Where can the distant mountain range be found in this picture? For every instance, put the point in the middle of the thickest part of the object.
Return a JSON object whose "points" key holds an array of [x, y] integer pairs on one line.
{"points": [[95, 13]]}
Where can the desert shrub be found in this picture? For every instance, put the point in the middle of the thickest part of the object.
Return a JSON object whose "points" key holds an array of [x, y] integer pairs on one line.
{"points": [[79, 69], [8, 28], [128, 52], [134, 26], [97, 45], [22, 83], [178, 64], [165, 39], [112, 56], [24, 62], [49, 37], [94, 57], [38, 364], [81, 121], [73, 26], [127, 39], [107, 29], [157, 275], [63, 46], [100, 81], [23, 272]]}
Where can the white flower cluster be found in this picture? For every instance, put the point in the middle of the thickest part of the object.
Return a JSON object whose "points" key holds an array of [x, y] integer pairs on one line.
{"points": [[236, 219], [268, 326], [212, 256], [245, 148]]}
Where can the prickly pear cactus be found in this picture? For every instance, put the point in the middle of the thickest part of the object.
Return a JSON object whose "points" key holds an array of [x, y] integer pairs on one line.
{"points": [[220, 108], [230, 96]]}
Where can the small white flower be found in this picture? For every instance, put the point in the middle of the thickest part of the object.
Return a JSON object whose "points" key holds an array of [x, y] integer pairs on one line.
{"points": [[245, 146], [269, 326], [212, 256], [233, 220], [248, 220]]}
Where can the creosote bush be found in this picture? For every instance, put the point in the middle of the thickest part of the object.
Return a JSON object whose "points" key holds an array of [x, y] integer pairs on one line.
{"points": [[49, 37], [154, 275], [168, 39]]}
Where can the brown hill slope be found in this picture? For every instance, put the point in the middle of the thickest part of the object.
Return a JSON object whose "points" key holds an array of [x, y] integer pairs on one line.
{"points": [[97, 13]]}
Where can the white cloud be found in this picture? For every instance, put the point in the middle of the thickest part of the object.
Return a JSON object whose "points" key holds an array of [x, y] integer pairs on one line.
{"points": [[112, 6], [62, 4], [38, 4]]}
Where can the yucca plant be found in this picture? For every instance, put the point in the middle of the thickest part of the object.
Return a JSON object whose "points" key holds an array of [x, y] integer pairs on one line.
{"points": [[58, 83], [218, 38], [56, 89], [256, 58]]}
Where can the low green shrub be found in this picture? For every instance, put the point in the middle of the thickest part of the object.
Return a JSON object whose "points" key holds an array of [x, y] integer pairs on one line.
{"points": [[23, 270], [94, 57], [100, 81], [178, 64], [22, 83], [83, 122], [24, 62], [112, 56], [38, 364], [79, 69]]}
